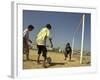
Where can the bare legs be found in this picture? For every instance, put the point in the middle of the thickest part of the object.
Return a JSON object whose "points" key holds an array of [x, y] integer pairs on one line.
{"points": [[66, 56]]}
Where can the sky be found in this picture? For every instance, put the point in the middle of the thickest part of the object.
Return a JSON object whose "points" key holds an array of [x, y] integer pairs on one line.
{"points": [[63, 25]]}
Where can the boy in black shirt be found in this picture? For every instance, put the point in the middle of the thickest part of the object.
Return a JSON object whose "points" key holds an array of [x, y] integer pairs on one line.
{"points": [[68, 51]]}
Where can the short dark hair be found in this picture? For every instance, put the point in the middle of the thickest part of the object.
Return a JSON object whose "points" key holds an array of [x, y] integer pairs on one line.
{"points": [[68, 43], [31, 27], [48, 26]]}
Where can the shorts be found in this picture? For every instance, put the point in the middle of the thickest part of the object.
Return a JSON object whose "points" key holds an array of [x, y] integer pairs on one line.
{"points": [[42, 49], [67, 53]]}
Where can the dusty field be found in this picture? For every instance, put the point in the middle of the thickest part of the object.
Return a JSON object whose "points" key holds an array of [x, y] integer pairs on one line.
{"points": [[57, 61]]}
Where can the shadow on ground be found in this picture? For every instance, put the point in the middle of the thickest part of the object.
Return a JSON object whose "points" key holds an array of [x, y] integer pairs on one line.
{"points": [[55, 63]]}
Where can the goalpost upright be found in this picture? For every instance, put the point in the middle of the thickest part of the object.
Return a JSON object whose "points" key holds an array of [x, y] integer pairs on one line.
{"points": [[82, 39]]}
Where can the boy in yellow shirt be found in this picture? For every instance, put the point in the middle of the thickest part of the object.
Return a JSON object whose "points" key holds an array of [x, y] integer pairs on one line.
{"points": [[41, 43]]}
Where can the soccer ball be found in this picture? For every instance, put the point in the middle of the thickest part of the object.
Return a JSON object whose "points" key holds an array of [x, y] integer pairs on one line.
{"points": [[49, 60]]}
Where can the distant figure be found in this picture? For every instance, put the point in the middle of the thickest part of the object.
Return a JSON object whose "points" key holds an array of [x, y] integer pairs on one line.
{"points": [[41, 43], [26, 40], [68, 51]]}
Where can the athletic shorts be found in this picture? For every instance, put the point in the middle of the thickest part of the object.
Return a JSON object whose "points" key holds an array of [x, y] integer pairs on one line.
{"points": [[66, 53], [42, 49]]}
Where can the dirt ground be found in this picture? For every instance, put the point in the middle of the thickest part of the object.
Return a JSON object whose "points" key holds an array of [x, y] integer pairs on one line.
{"points": [[57, 61]]}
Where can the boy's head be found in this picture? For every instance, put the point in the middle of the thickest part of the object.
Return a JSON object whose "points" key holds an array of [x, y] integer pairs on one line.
{"points": [[48, 26], [68, 44], [30, 27]]}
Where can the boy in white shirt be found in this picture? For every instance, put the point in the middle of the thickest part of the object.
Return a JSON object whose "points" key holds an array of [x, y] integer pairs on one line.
{"points": [[41, 42], [26, 40]]}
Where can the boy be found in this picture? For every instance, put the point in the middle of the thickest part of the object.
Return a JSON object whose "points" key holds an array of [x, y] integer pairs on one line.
{"points": [[26, 40], [41, 43], [68, 51]]}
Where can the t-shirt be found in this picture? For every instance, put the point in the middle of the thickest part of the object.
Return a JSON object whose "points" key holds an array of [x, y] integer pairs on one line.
{"points": [[68, 48], [26, 35], [42, 36]]}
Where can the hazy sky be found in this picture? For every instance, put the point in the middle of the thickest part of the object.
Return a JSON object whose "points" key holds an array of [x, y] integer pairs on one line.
{"points": [[63, 27]]}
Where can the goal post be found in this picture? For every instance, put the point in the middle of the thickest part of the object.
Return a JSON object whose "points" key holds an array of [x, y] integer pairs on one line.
{"points": [[82, 39], [82, 24]]}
